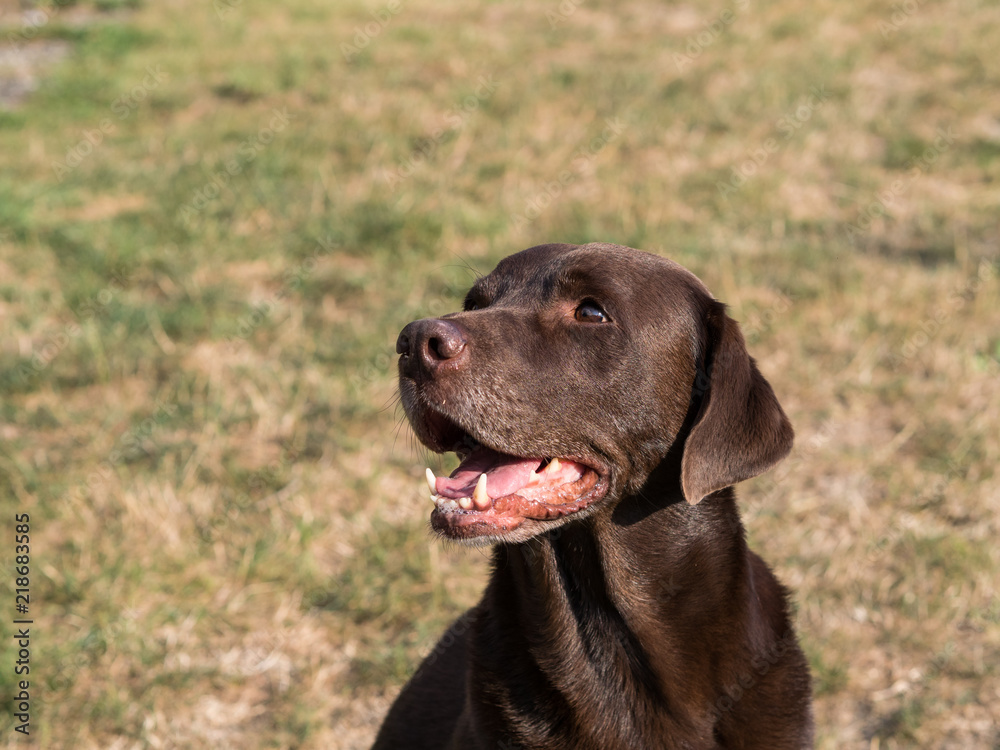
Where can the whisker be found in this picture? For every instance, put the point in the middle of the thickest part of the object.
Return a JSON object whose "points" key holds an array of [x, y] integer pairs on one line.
{"points": [[393, 400]]}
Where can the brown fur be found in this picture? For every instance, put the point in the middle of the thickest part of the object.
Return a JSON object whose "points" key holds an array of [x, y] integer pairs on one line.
{"points": [[642, 621]]}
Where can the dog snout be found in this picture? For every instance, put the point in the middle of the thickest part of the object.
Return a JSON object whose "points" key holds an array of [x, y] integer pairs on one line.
{"points": [[425, 346]]}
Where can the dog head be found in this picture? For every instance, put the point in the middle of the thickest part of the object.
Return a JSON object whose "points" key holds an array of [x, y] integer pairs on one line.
{"points": [[568, 376]]}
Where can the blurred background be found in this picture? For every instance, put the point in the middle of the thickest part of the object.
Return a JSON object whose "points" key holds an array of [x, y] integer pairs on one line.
{"points": [[216, 215]]}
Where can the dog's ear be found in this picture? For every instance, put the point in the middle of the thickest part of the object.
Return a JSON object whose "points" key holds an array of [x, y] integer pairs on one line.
{"points": [[740, 430]]}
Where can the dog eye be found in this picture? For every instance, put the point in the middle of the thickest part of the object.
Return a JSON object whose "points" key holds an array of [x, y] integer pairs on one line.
{"points": [[590, 312]]}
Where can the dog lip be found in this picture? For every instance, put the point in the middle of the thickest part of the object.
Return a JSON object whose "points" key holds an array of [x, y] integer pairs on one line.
{"points": [[442, 433], [452, 519], [470, 439], [435, 428]]}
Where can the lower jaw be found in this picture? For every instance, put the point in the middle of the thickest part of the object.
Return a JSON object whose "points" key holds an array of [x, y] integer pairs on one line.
{"points": [[469, 524], [462, 525]]}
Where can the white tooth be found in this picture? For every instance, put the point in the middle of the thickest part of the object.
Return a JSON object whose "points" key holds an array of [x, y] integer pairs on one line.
{"points": [[445, 504], [554, 465], [431, 481], [479, 496], [465, 503]]}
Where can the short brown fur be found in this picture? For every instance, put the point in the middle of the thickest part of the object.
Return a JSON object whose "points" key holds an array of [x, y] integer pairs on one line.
{"points": [[643, 621]]}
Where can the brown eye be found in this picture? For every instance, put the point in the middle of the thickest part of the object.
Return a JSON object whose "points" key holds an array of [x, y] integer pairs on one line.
{"points": [[590, 312]]}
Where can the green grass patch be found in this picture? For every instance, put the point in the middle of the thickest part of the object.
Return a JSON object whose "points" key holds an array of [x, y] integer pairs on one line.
{"points": [[279, 499]]}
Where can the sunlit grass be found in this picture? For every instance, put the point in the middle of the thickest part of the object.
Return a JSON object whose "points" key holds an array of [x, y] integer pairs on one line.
{"points": [[215, 217]]}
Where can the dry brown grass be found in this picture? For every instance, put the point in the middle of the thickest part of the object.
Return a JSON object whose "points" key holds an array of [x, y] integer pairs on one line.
{"points": [[230, 545]]}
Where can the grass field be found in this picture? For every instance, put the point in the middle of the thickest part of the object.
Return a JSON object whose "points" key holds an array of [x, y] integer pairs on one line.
{"points": [[215, 216]]}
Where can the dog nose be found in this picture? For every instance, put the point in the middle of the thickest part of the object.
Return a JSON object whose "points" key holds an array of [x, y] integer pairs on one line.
{"points": [[425, 345]]}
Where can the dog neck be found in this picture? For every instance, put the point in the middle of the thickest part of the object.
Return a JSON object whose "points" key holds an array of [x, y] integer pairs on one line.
{"points": [[618, 610]]}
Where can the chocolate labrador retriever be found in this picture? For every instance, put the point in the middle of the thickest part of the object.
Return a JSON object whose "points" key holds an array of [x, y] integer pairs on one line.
{"points": [[602, 404]]}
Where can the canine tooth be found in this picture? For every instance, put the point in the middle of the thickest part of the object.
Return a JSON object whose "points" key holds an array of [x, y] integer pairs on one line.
{"points": [[479, 496], [465, 503], [431, 481], [554, 465]]}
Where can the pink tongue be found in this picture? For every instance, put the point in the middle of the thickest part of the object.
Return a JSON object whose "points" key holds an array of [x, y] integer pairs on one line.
{"points": [[505, 474]]}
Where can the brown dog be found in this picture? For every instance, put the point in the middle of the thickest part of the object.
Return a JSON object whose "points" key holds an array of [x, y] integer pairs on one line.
{"points": [[602, 403]]}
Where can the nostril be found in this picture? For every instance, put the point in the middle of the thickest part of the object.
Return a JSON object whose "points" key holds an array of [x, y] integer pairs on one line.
{"points": [[446, 346], [403, 344]]}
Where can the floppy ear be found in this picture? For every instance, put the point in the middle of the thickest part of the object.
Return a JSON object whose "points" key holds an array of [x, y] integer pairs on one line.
{"points": [[741, 430]]}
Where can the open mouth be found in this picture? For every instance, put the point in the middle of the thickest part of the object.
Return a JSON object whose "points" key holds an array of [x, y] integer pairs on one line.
{"points": [[492, 492]]}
